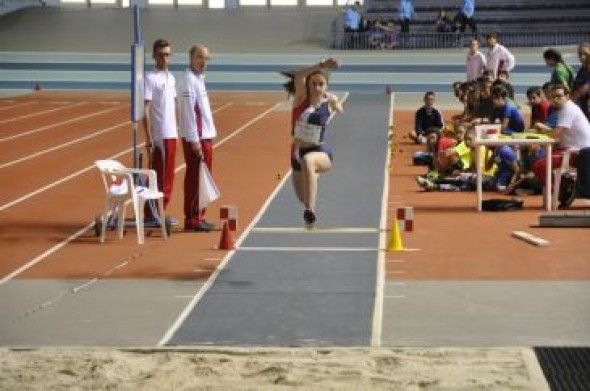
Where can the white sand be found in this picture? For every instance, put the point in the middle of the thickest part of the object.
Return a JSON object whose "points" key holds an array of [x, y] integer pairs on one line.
{"points": [[261, 369]]}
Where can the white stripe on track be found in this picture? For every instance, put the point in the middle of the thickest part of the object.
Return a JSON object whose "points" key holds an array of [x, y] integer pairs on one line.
{"points": [[29, 132], [39, 113], [377, 328], [64, 145], [58, 182], [17, 105], [316, 230], [314, 249], [45, 254]]}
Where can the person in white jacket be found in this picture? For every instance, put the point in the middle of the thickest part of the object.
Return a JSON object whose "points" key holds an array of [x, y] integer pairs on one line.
{"points": [[197, 131], [498, 57], [476, 61]]}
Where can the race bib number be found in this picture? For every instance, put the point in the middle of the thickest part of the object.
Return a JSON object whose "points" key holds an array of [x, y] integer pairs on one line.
{"points": [[308, 133]]}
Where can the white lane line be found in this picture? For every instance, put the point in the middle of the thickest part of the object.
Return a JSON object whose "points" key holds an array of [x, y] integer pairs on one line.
{"points": [[394, 296], [318, 249], [29, 132], [377, 327], [17, 105], [64, 145], [45, 254], [39, 113], [58, 182], [335, 230]]}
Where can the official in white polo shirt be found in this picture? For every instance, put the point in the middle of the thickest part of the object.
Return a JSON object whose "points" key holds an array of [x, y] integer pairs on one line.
{"points": [[160, 119], [197, 131]]}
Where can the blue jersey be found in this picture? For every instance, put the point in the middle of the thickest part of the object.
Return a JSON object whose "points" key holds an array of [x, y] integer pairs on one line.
{"points": [[505, 156], [515, 120]]}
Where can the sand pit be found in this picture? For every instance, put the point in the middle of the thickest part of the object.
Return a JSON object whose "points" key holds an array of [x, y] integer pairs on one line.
{"points": [[261, 369]]}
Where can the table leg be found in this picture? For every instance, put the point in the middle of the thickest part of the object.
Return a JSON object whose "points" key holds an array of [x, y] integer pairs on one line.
{"points": [[548, 179], [478, 179]]}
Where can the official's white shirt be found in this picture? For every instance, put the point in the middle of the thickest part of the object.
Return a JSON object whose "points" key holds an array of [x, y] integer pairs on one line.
{"points": [[195, 109], [476, 63], [499, 54], [577, 132], [160, 90]]}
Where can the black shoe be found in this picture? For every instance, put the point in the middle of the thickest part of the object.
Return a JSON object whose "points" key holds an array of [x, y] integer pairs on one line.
{"points": [[309, 216], [567, 192], [208, 224], [203, 226]]}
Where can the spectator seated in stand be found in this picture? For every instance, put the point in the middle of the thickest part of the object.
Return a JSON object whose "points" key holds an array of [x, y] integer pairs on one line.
{"points": [[381, 34], [443, 24]]}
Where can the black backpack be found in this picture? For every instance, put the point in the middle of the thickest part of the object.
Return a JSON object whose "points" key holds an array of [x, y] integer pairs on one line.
{"points": [[501, 205]]}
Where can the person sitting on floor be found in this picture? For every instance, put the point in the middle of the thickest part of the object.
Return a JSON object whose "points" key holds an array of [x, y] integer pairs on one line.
{"points": [[457, 168], [426, 117], [435, 144]]}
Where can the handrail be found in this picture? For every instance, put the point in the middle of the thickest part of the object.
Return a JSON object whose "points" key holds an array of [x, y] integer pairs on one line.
{"points": [[399, 41]]}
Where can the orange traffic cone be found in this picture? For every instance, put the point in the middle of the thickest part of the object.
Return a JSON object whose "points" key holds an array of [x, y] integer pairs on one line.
{"points": [[226, 242]]}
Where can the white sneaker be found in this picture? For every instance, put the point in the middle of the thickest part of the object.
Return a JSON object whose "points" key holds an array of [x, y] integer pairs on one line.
{"points": [[425, 183]]}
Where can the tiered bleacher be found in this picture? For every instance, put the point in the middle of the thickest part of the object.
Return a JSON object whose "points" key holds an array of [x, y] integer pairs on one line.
{"points": [[518, 23]]}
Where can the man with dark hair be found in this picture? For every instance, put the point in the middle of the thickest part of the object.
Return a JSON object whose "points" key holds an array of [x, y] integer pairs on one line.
{"points": [[159, 121], [425, 118], [539, 106], [572, 130], [498, 57], [506, 112]]}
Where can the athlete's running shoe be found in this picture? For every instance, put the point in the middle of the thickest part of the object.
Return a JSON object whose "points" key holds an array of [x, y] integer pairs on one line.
{"points": [[309, 217]]}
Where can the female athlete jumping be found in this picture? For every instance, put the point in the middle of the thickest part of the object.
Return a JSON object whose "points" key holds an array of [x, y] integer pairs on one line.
{"points": [[313, 107]]}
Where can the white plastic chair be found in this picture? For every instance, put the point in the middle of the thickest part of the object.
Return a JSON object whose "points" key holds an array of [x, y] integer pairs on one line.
{"points": [[121, 190], [564, 168]]}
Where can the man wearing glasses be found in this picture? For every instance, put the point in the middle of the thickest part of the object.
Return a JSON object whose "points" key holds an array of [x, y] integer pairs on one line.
{"points": [[572, 130], [160, 119]]}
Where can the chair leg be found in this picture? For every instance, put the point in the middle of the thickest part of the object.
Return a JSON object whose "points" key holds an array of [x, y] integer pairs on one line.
{"points": [[121, 209], [103, 221], [556, 185], [138, 205]]}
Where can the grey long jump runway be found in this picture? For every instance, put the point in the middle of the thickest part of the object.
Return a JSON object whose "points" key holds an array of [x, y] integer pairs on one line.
{"points": [[287, 286]]}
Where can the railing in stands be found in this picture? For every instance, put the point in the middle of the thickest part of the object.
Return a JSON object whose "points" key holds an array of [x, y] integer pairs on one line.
{"points": [[399, 41]]}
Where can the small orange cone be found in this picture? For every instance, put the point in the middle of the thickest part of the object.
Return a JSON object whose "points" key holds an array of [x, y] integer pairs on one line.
{"points": [[395, 238], [226, 242]]}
